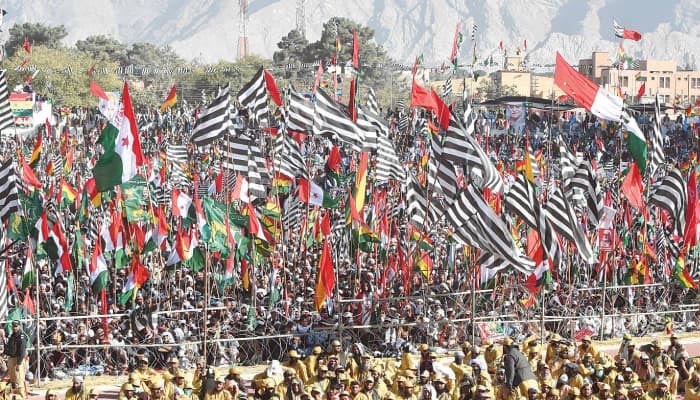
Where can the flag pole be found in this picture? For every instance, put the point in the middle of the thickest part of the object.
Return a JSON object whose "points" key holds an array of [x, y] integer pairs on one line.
{"points": [[473, 293], [206, 303]]}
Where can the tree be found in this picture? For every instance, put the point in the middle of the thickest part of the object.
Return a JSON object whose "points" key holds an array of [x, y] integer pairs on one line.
{"points": [[372, 56], [491, 89], [102, 47], [144, 54], [63, 75], [38, 35]]}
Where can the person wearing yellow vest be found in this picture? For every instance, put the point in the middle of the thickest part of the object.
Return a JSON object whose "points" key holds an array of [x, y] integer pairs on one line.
{"points": [[218, 392]]}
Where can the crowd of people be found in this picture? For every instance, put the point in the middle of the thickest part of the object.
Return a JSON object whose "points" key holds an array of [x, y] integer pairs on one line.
{"points": [[532, 368], [73, 331]]}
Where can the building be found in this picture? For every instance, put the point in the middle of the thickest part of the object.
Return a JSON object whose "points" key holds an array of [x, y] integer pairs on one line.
{"points": [[658, 76], [525, 82]]}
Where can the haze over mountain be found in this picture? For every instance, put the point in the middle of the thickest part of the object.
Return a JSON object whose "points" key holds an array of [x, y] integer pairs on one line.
{"points": [[208, 30]]}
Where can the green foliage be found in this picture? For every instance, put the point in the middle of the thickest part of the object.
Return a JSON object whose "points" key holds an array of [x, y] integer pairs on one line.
{"points": [[63, 75], [102, 47], [371, 54], [491, 89], [38, 35]]}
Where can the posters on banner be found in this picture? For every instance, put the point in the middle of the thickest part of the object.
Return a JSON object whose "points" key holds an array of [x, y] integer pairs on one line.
{"points": [[515, 114]]}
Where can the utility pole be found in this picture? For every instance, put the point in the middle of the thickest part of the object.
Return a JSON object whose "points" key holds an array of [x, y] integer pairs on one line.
{"points": [[301, 18], [243, 47]]}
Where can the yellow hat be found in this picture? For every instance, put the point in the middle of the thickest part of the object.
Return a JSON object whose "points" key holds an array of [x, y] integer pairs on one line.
{"points": [[235, 371], [179, 374], [128, 386], [423, 347], [317, 350], [627, 336], [507, 341], [158, 384], [93, 392], [586, 338], [294, 354]]}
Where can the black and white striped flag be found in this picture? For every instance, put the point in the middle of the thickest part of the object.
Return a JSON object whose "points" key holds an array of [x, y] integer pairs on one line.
{"points": [[178, 158], [477, 225], [9, 191], [253, 96], [671, 194], [331, 120], [6, 118], [586, 181], [288, 158], [300, 113], [561, 214], [568, 161], [372, 104], [388, 164], [234, 153], [522, 200], [214, 120], [461, 148], [258, 177], [657, 143], [447, 89]]}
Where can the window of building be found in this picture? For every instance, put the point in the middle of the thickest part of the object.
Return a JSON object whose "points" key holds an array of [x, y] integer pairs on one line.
{"points": [[665, 82], [625, 81], [695, 83]]}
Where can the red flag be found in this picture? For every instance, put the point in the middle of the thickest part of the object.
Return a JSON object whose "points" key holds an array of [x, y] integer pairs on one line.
{"points": [[632, 187], [334, 159], [442, 111], [272, 88], [326, 276], [28, 174], [632, 35], [97, 91], [420, 97], [219, 182], [524, 44], [319, 73], [91, 70], [26, 46], [500, 45], [642, 90], [585, 92], [351, 103], [355, 51], [415, 67], [326, 224], [28, 302], [170, 100], [455, 42]]}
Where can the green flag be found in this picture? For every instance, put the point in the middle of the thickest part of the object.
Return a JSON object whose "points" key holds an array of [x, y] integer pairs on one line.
{"points": [[135, 200]]}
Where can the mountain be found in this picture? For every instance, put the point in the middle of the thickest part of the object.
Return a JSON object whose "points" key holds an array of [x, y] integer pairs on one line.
{"points": [[208, 30]]}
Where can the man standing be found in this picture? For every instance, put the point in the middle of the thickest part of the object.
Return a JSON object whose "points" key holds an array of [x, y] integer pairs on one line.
{"points": [[518, 371], [16, 349]]}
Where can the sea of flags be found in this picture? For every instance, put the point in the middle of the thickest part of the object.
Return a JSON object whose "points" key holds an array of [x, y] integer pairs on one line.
{"points": [[233, 194]]}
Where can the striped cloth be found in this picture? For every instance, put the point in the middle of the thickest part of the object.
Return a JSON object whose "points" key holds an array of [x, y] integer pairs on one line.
{"points": [[300, 114], [9, 191], [562, 217], [372, 105], [214, 120], [671, 194], [6, 118], [253, 96], [477, 225], [178, 158], [330, 119]]}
